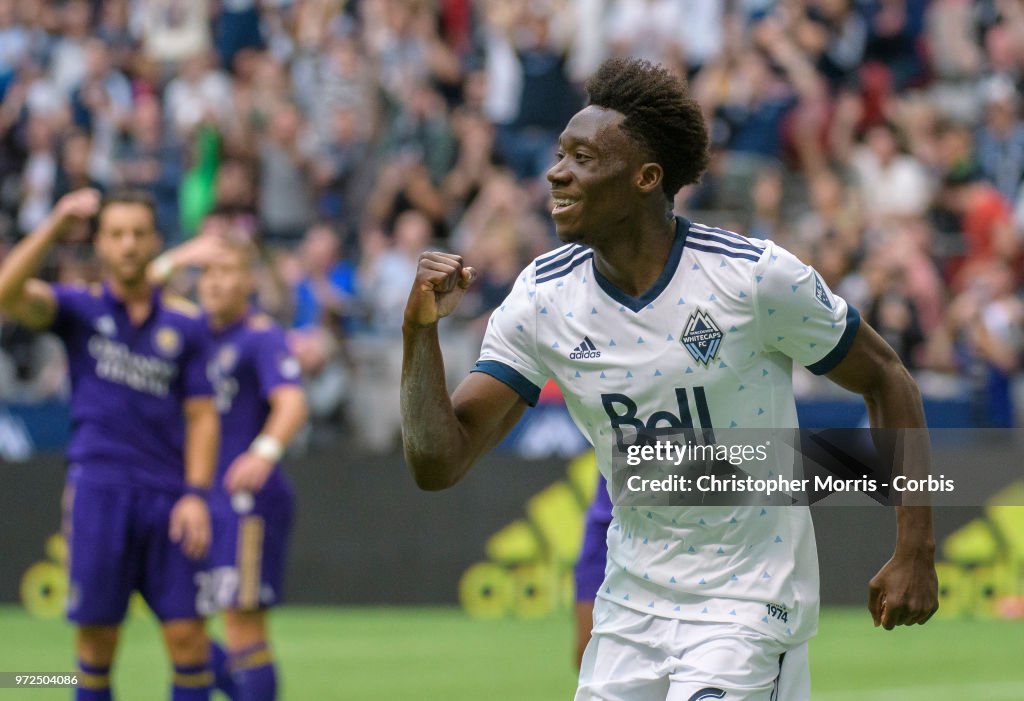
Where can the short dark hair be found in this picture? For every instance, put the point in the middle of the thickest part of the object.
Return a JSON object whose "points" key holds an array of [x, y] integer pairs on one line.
{"points": [[128, 196], [659, 115]]}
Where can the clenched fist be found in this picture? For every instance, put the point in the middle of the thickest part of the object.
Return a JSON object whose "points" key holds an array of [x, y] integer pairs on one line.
{"points": [[441, 281], [78, 204]]}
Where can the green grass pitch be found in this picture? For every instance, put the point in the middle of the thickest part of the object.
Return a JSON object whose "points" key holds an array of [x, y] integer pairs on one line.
{"points": [[439, 654]]}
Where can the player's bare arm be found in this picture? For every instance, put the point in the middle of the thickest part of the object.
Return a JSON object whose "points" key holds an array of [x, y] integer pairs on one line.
{"points": [[195, 252], [905, 590], [288, 412], [443, 436], [190, 518], [27, 300]]}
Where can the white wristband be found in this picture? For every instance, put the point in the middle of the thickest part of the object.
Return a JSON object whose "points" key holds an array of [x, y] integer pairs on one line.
{"points": [[163, 267], [267, 447]]}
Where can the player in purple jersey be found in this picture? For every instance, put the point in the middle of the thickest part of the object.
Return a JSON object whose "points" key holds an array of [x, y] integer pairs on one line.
{"points": [[589, 570], [144, 437], [262, 406]]}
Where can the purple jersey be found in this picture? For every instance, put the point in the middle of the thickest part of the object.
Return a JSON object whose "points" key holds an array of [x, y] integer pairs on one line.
{"points": [[128, 385], [250, 359]]}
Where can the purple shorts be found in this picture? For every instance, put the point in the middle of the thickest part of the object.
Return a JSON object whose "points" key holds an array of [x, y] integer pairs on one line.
{"points": [[250, 544], [118, 543]]}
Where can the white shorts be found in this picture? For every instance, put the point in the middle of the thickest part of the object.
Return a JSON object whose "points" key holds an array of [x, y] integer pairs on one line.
{"points": [[638, 657]]}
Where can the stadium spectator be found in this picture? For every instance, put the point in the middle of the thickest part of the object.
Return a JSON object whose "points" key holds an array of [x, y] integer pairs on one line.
{"points": [[285, 203], [833, 216], [113, 30], [536, 43], [1001, 138], [173, 31], [199, 94], [384, 280], [985, 219], [950, 24], [647, 29], [872, 119], [324, 311], [235, 186], [892, 183], [891, 311], [101, 105], [894, 30], [149, 157], [326, 293], [336, 164], [68, 55], [983, 337], [237, 28], [39, 175], [32, 365], [14, 43], [75, 170]]}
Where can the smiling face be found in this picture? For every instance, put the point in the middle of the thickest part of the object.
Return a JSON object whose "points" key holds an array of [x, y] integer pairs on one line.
{"points": [[599, 178]]}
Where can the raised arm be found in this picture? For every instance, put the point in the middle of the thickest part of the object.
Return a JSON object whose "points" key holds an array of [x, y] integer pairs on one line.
{"points": [[197, 251], [24, 299], [905, 590], [444, 436]]}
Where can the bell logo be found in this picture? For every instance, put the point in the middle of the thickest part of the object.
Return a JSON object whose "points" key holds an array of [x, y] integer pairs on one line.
{"points": [[632, 430]]}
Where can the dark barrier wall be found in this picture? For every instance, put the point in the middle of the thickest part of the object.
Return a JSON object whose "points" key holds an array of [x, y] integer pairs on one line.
{"points": [[366, 535]]}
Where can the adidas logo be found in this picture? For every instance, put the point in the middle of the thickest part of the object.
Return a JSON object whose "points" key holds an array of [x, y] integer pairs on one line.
{"points": [[586, 349]]}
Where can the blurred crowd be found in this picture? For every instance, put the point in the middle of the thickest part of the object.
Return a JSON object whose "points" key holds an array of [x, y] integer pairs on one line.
{"points": [[880, 140]]}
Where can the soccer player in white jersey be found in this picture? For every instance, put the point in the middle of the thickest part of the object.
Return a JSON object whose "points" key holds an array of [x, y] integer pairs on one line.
{"points": [[648, 320]]}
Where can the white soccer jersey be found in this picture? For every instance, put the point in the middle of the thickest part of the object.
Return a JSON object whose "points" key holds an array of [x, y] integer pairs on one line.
{"points": [[711, 344]]}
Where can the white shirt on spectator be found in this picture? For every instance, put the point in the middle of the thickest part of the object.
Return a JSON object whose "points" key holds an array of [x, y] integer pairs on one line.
{"points": [[44, 98], [37, 189], [68, 66], [173, 30], [504, 79], [386, 290], [647, 28], [899, 188], [701, 30], [188, 103]]}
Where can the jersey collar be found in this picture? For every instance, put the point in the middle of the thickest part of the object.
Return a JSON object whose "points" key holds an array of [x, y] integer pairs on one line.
{"points": [[671, 265], [118, 304], [230, 328]]}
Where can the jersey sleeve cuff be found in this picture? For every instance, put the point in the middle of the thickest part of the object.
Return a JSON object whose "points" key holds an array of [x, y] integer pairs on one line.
{"points": [[511, 377], [265, 392], [836, 355]]}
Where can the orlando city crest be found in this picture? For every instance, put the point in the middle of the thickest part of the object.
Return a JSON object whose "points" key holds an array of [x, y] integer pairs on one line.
{"points": [[168, 341], [702, 337]]}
